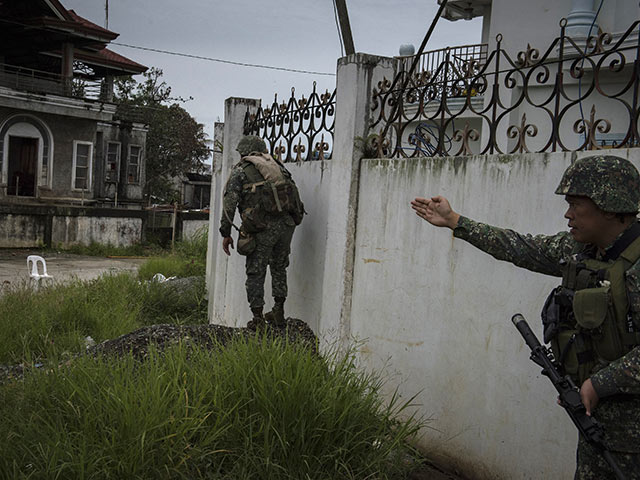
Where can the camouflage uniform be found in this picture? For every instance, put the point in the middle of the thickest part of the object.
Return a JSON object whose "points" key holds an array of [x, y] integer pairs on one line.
{"points": [[618, 384], [272, 244]]}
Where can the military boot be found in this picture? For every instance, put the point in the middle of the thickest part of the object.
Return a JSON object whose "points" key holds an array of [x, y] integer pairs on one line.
{"points": [[278, 312], [257, 321]]}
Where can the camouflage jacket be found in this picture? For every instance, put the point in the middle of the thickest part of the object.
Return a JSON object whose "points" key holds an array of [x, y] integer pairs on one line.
{"points": [[542, 253], [232, 198]]}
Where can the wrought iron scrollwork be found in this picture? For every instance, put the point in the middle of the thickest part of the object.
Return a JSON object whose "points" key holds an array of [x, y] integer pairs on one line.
{"points": [[297, 130], [481, 105]]}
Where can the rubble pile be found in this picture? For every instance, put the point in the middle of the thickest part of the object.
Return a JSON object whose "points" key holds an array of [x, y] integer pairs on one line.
{"points": [[162, 336]]}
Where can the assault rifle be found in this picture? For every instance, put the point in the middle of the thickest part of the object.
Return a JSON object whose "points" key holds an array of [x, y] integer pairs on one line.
{"points": [[568, 393]]}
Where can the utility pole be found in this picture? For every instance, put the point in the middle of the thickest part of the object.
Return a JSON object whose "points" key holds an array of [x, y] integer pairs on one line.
{"points": [[345, 27], [106, 14]]}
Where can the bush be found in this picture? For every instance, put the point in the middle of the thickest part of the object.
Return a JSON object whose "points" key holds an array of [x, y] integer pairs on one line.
{"points": [[258, 408]]}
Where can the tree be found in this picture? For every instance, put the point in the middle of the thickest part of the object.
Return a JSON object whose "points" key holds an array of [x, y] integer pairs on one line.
{"points": [[176, 143]]}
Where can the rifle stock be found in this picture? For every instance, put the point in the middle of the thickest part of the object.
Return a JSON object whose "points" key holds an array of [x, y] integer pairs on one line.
{"points": [[568, 393]]}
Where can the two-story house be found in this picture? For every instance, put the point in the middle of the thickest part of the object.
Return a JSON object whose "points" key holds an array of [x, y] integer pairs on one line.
{"points": [[62, 140]]}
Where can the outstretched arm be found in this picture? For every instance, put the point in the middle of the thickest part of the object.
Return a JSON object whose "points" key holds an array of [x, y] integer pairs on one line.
{"points": [[539, 253], [436, 210]]}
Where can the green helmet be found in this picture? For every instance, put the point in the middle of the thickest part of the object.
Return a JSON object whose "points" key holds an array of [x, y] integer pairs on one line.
{"points": [[611, 182], [251, 143]]}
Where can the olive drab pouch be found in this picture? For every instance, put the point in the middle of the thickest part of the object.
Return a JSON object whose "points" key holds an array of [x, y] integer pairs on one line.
{"points": [[246, 243], [573, 352], [253, 220], [591, 307], [571, 349]]}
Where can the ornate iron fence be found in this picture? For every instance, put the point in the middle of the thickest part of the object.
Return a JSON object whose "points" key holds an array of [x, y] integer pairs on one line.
{"points": [[534, 102], [296, 130]]}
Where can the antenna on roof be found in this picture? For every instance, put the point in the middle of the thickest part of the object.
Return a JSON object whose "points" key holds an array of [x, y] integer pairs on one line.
{"points": [[106, 14]]}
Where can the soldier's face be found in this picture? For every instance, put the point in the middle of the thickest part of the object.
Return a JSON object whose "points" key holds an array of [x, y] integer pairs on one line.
{"points": [[587, 223]]}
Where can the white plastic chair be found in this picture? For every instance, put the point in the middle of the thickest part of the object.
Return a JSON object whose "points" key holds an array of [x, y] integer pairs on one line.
{"points": [[34, 271]]}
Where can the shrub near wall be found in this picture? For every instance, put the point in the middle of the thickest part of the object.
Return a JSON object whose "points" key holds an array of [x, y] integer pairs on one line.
{"points": [[256, 409]]}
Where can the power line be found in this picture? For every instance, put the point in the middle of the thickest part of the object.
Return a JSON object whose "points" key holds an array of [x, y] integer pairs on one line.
{"points": [[187, 55], [231, 62]]}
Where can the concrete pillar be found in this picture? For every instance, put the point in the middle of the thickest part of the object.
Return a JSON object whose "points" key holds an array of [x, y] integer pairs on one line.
{"points": [[358, 74], [67, 67], [581, 18], [216, 185], [220, 306]]}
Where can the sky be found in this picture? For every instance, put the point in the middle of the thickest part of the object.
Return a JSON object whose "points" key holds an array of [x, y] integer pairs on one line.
{"points": [[297, 34]]}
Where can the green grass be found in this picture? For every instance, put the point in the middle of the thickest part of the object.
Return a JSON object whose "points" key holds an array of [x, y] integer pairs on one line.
{"points": [[189, 259], [53, 321], [169, 266], [256, 409]]}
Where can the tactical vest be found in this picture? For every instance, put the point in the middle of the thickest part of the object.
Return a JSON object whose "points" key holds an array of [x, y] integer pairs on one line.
{"points": [[587, 319], [262, 197]]}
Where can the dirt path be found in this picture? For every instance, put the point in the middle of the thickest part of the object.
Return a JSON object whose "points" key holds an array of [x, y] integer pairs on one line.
{"points": [[61, 266]]}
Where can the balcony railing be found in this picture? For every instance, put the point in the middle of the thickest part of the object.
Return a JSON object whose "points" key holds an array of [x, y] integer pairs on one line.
{"points": [[462, 58], [41, 82], [576, 95]]}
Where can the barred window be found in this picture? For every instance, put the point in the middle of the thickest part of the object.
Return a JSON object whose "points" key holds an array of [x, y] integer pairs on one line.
{"points": [[82, 159], [133, 166], [112, 166]]}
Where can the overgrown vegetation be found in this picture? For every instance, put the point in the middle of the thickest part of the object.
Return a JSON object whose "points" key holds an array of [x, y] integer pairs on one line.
{"points": [[54, 321], [256, 409]]}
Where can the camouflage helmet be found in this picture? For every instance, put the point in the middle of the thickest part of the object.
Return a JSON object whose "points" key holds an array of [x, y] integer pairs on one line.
{"points": [[611, 182], [251, 143]]}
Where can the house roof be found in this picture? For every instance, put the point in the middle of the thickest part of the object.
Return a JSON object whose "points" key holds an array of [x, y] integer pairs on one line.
{"points": [[109, 58], [32, 33]]}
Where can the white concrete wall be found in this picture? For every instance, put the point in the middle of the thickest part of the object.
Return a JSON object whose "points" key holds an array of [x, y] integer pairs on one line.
{"points": [[435, 312], [309, 246], [192, 228], [21, 231], [432, 310], [119, 232]]}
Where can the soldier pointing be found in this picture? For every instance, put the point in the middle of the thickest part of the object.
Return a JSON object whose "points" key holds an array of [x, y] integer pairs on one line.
{"points": [[592, 320]]}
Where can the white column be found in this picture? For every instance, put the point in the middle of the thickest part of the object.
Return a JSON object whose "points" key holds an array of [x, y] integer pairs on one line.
{"points": [[358, 74], [216, 182], [226, 274], [581, 18]]}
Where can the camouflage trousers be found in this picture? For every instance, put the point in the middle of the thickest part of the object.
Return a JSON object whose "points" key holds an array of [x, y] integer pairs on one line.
{"points": [[618, 415], [593, 466], [273, 245]]}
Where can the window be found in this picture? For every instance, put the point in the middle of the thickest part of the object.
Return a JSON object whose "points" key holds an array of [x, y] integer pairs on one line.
{"points": [[82, 159], [133, 166], [112, 167]]}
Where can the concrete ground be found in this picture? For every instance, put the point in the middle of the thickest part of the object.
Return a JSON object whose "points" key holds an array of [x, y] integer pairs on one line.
{"points": [[61, 266]]}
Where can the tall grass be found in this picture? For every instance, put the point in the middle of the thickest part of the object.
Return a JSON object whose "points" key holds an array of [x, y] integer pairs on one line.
{"points": [[189, 259], [54, 321], [258, 408]]}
